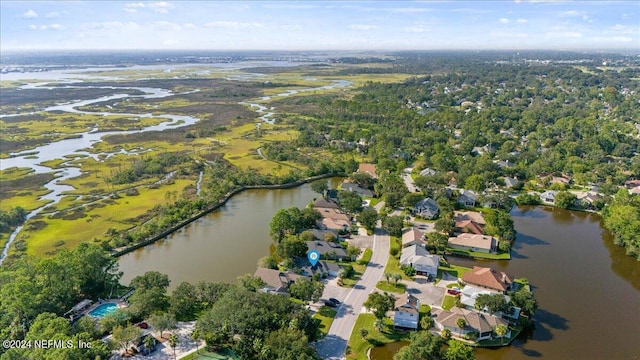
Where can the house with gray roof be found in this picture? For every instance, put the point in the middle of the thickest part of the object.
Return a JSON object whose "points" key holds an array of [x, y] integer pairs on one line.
{"points": [[352, 187], [276, 281], [406, 311], [467, 198], [328, 250], [475, 322], [548, 197], [427, 209], [419, 258], [324, 268]]}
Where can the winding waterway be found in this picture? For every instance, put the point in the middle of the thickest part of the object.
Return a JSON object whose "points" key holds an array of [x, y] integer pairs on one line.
{"points": [[588, 289]]}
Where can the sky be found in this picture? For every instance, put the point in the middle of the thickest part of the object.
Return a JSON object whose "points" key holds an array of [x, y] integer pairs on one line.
{"points": [[320, 25]]}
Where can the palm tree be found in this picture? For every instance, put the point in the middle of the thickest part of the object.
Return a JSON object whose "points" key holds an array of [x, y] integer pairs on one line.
{"points": [[149, 343], [173, 342], [387, 276], [195, 335], [461, 323], [396, 277], [501, 330]]}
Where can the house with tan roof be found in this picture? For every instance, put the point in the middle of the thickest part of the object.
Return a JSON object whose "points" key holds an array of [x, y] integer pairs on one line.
{"points": [[275, 281], [412, 236], [369, 169], [406, 311], [333, 218], [469, 226], [488, 278], [469, 215], [481, 324], [474, 242]]}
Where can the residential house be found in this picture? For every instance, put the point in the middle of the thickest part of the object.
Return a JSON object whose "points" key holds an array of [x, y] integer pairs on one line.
{"points": [[635, 190], [275, 281], [324, 268], [488, 278], [352, 187], [428, 172], [510, 182], [369, 169], [427, 209], [325, 203], [419, 258], [467, 198], [474, 216], [481, 324], [406, 311], [412, 236], [587, 199], [474, 242], [469, 293], [502, 164], [548, 197], [328, 250], [560, 180]]}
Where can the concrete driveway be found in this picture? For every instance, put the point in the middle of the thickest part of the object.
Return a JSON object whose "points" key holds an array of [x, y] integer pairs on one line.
{"points": [[426, 291]]}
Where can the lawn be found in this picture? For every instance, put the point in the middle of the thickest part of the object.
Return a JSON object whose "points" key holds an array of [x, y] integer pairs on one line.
{"points": [[390, 287], [480, 255], [218, 355], [366, 257], [393, 264], [325, 316], [454, 270], [448, 302], [357, 347]]}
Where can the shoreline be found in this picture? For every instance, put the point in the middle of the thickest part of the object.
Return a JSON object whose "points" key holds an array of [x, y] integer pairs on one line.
{"points": [[216, 206]]}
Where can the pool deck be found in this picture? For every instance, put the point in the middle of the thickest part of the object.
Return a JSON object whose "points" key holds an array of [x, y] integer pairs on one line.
{"points": [[121, 304]]}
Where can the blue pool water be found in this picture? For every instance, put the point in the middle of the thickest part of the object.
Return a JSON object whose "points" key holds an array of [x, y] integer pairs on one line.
{"points": [[103, 310]]}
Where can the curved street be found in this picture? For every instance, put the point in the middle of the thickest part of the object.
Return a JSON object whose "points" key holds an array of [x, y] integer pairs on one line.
{"points": [[333, 346]]}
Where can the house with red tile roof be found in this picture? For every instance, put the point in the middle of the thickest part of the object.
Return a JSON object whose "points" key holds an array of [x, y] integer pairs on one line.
{"points": [[488, 278], [474, 242]]}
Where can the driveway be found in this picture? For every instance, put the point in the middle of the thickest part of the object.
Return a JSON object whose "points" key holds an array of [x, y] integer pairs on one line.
{"points": [[425, 227], [408, 181], [333, 346], [426, 291], [361, 241]]}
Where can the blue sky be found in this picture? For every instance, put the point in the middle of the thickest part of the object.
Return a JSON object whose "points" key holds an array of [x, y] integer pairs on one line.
{"points": [[320, 25]]}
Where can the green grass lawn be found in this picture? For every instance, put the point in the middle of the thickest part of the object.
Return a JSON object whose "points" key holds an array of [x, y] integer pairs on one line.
{"points": [[393, 264], [358, 347], [390, 287], [448, 302], [480, 255], [454, 270], [218, 355], [325, 316], [366, 257]]}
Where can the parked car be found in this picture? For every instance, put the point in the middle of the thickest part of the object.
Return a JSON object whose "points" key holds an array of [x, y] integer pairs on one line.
{"points": [[142, 325], [453, 292], [330, 303], [335, 301]]}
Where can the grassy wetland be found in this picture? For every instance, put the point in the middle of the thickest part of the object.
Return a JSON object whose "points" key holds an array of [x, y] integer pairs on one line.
{"points": [[131, 183]]}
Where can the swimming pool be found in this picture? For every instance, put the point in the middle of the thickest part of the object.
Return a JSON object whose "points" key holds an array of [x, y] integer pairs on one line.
{"points": [[103, 310]]}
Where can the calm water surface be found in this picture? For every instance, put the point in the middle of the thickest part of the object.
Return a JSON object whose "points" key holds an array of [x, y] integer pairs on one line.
{"points": [[220, 246], [588, 289]]}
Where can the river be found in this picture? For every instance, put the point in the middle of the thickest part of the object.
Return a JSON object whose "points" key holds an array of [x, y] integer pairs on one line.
{"points": [[222, 245], [587, 288]]}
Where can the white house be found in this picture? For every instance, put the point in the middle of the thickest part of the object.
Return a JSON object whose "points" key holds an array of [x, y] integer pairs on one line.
{"points": [[474, 242], [467, 198], [406, 311], [419, 258], [481, 324], [549, 196]]}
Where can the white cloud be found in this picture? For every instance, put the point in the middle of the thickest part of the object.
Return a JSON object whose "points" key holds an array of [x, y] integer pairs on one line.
{"points": [[114, 25], [522, 21], [189, 26], [33, 27], [504, 20], [52, 15], [290, 27], [571, 13], [133, 7], [51, 27], [232, 25], [161, 7], [410, 10], [165, 26], [363, 27], [30, 14]]}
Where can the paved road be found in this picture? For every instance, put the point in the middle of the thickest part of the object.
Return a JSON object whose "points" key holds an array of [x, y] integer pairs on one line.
{"points": [[333, 346], [408, 181]]}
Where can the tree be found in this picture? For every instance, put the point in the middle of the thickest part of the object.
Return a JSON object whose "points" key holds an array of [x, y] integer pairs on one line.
{"points": [[353, 252], [459, 351], [422, 345], [379, 304], [350, 201], [149, 343], [307, 290], [150, 280], [446, 334], [281, 224], [525, 300], [268, 262], [394, 225], [346, 272], [364, 332], [410, 200], [440, 241], [501, 330], [445, 224], [504, 246], [150, 295], [288, 344], [492, 302], [183, 302], [426, 322], [162, 322], [195, 335], [126, 337], [461, 323], [320, 186], [173, 343], [565, 199], [368, 218], [291, 247], [119, 317], [396, 278], [250, 282], [387, 275], [363, 179]]}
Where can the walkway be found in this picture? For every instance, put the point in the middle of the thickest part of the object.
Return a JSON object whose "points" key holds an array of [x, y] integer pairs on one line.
{"points": [[334, 345]]}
